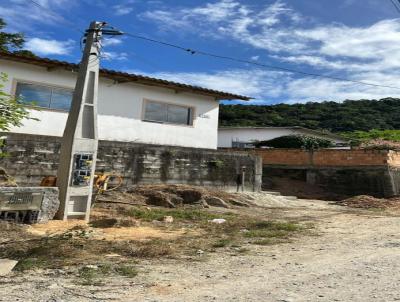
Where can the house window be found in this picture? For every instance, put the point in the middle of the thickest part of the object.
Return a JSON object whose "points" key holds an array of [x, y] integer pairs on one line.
{"points": [[167, 113], [44, 96]]}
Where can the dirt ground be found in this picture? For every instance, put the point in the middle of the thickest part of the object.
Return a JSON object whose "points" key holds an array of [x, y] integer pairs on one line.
{"points": [[351, 255]]}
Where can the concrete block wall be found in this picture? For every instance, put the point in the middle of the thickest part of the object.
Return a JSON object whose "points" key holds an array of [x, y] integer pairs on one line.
{"points": [[31, 157]]}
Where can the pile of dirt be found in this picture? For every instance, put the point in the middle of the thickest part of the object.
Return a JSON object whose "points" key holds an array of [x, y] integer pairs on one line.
{"points": [[172, 196], [369, 202]]}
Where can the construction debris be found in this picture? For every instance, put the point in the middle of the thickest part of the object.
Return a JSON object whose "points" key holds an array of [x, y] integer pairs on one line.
{"points": [[6, 266], [218, 221], [369, 202], [168, 219], [174, 196]]}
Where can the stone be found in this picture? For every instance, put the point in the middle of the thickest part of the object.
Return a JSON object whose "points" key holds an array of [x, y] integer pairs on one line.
{"points": [[216, 202], [218, 221], [238, 203], [168, 219], [204, 204], [6, 266]]}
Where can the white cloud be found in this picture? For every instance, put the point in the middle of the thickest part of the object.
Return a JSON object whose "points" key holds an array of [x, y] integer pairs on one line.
{"points": [[49, 47], [23, 16], [114, 56], [123, 8], [369, 53], [268, 86], [111, 41], [253, 82]]}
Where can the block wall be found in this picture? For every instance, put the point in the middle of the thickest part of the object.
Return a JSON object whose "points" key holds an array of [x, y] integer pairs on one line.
{"points": [[32, 157]]}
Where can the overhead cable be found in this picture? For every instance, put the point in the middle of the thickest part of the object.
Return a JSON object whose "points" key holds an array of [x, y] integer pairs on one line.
{"points": [[224, 57]]}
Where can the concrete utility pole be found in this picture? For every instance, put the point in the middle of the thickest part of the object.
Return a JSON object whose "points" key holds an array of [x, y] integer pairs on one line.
{"points": [[79, 143]]}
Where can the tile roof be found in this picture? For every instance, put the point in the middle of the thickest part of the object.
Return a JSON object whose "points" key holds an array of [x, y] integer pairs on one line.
{"points": [[121, 77]]}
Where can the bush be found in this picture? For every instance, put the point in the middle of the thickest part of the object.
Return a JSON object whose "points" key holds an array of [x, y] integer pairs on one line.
{"points": [[296, 142]]}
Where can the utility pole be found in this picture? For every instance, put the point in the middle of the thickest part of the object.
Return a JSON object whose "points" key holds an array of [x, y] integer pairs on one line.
{"points": [[79, 143]]}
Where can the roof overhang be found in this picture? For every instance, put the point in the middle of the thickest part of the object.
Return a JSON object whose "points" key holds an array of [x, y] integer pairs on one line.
{"points": [[123, 77]]}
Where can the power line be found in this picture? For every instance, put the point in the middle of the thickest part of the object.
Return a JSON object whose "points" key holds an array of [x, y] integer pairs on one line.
{"points": [[57, 15], [223, 57], [396, 5]]}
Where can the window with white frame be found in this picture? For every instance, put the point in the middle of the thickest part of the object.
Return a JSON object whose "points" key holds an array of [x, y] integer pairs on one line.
{"points": [[44, 96], [167, 113]]}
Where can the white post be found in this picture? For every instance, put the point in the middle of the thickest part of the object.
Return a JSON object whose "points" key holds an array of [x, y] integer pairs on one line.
{"points": [[79, 143]]}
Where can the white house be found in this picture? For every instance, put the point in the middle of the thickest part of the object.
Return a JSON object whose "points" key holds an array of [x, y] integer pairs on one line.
{"points": [[244, 137], [131, 107]]}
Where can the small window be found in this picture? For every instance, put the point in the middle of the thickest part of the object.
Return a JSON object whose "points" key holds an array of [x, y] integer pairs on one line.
{"points": [[167, 113], [44, 96]]}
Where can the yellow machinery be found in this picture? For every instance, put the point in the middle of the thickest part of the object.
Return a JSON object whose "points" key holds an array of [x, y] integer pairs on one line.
{"points": [[104, 182]]}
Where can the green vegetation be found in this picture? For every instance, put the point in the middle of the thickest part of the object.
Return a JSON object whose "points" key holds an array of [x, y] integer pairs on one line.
{"points": [[296, 142], [389, 135], [351, 115], [177, 214], [11, 111], [93, 275], [222, 243], [31, 263], [12, 42], [271, 229]]}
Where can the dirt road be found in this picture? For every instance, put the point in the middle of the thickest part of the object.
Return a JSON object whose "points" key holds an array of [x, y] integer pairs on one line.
{"points": [[355, 256]]}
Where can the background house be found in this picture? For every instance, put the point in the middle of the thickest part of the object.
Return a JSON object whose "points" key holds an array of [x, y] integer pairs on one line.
{"points": [[132, 108], [244, 137]]}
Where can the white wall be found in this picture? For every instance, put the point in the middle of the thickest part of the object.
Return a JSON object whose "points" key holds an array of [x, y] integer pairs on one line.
{"points": [[120, 110], [226, 136]]}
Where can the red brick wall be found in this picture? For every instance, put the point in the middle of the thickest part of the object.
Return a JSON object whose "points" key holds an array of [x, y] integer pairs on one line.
{"points": [[357, 157]]}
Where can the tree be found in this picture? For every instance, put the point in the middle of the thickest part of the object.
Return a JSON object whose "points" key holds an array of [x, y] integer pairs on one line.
{"points": [[361, 115], [12, 42], [296, 142], [12, 112]]}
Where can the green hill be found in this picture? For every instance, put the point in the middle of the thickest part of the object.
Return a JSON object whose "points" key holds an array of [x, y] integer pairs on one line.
{"points": [[349, 116]]}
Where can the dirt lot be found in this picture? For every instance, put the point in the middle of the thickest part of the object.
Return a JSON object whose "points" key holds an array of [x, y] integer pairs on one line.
{"points": [[349, 255]]}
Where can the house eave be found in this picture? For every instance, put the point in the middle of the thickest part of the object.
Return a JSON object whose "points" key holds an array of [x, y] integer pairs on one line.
{"points": [[123, 77]]}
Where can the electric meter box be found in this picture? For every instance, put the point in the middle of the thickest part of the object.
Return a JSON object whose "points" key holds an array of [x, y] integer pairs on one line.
{"points": [[82, 169]]}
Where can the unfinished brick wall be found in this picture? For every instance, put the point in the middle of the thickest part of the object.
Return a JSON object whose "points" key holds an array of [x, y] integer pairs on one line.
{"points": [[322, 158], [345, 172], [31, 157]]}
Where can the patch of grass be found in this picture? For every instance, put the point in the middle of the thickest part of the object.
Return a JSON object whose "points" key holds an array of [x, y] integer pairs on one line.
{"points": [[177, 214], [265, 233], [127, 271], [93, 275], [271, 229], [89, 276], [222, 243], [155, 248], [265, 241], [279, 226], [30, 264]]}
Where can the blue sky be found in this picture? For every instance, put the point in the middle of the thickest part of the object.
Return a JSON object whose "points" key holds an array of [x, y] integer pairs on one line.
{"points": [[355, 39]]}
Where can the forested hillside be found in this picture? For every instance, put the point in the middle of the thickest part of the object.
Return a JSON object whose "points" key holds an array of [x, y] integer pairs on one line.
{"points": [[336, 117]]}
